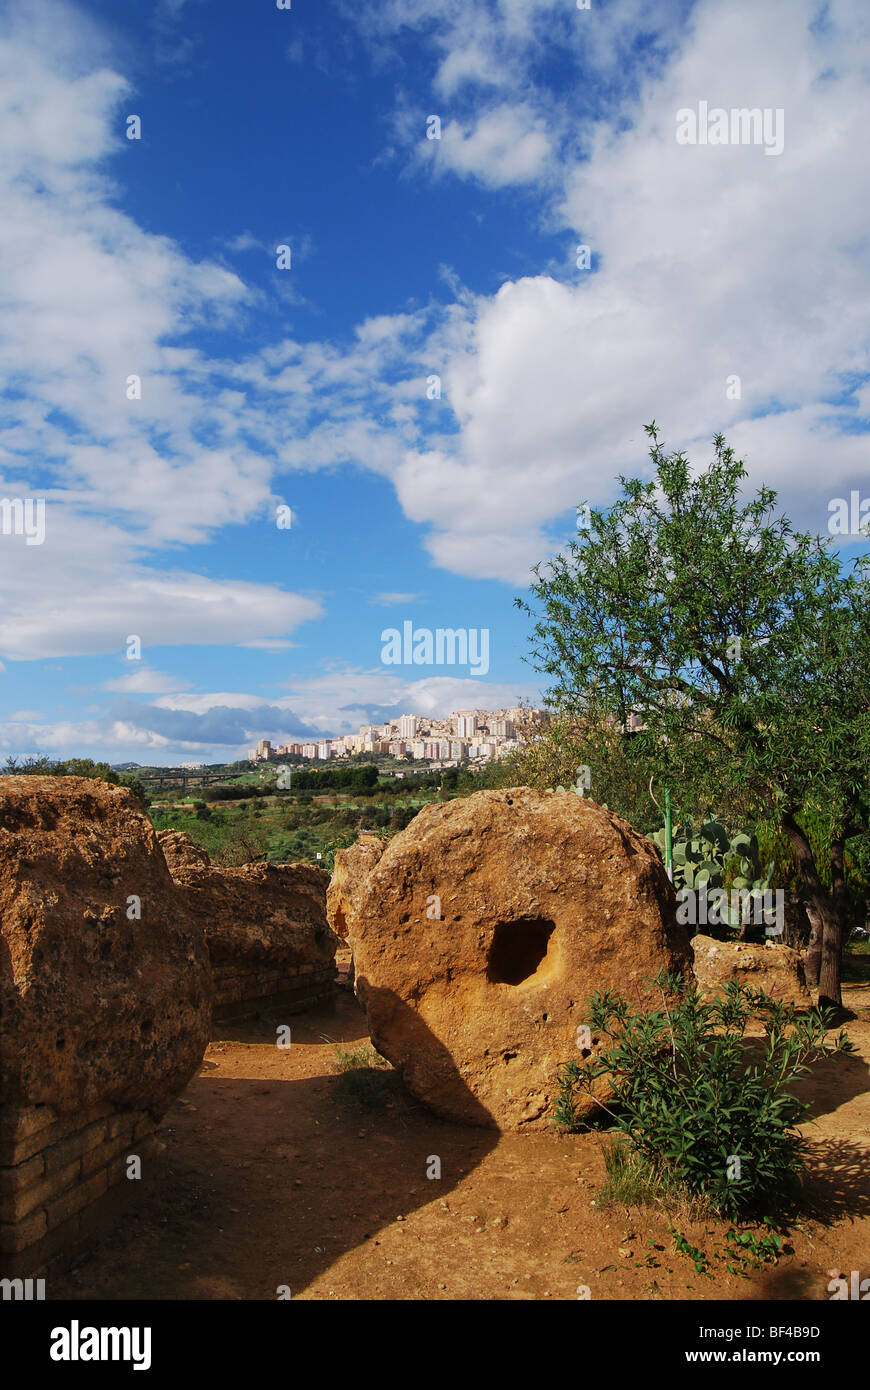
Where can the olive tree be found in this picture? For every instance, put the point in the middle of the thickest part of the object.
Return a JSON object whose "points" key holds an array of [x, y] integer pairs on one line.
{"points": [[742, 645]]}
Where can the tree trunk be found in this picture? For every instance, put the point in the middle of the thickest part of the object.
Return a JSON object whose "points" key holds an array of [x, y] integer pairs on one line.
{"points": [[832, 952], [813, 957], [827, 914], [832, 937]]}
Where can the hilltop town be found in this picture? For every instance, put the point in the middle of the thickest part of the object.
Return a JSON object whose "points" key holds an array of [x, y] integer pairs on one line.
{"points": [[475, 735]]}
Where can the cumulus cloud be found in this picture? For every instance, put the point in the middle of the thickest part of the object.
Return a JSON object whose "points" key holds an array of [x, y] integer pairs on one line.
{"points": [[712, 263], [134, 456], [506, 145], [86, 590], [337, 702], [727, 296], [220, 726]]}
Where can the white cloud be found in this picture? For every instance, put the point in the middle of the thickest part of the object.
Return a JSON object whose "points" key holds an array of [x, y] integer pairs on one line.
{"points": [[69, 259], [245, 241], [506, 145], [270, 644], [339, 701], [391, 600], [342, 700], [66, 735], [86, 590], [714, 262], [146, 681]]}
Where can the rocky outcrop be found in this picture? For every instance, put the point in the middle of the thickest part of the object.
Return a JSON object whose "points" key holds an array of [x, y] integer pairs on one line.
{"points": [[481, 932], [351, 868], [265, 927], [776, 969], [181, 852], [105, 1005], [104, 981]]}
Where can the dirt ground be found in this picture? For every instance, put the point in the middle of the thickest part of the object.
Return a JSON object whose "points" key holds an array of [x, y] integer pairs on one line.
{"points": [[275, 1174]]}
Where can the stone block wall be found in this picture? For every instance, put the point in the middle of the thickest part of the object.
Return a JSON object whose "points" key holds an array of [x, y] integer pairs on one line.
{"points": [[105, 1009], [244, 990], [55, 1174]]}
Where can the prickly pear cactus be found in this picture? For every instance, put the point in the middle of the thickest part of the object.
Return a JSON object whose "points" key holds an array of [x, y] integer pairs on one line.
{"points": [[702, 858]]}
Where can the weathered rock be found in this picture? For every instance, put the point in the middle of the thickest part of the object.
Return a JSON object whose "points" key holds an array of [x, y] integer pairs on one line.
{"points": [[97, 1005], [269, 913], [181, 852], [778, 970], [544, 898], [351, 867]]}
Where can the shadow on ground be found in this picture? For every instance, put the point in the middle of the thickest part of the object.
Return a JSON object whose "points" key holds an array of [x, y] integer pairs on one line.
{"points": [[268, 1180]]}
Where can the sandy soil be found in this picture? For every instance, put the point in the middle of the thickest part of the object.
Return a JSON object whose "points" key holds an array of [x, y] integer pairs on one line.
{"points": [[274, 1175]]}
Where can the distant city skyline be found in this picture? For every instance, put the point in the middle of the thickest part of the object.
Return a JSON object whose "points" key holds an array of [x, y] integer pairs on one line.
{"points": [[464, 735]]}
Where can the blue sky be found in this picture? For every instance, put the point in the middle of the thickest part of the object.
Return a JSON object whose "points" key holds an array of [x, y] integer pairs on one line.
{"points": [[307, 386]]}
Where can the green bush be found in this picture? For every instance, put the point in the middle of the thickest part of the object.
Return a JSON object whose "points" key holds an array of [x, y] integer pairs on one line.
{"points": [[696, 1099]]}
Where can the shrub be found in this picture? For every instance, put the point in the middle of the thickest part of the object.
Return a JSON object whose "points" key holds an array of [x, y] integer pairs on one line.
{"points": [[330, 848], [364, 1075], [696, 1099]]}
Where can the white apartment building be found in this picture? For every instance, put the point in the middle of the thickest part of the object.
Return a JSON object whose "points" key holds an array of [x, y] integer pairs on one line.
{"points": [[482, 750], [309, 750], [408, 726]]}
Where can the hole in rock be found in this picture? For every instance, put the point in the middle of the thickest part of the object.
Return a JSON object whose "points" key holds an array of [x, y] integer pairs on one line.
{"points": [[517, 950]]}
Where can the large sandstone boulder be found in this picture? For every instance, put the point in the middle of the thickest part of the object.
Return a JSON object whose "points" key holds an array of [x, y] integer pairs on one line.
{"points": [[351, 868], [483, 929], [105, 989], [776, 969], [257, 913]]}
